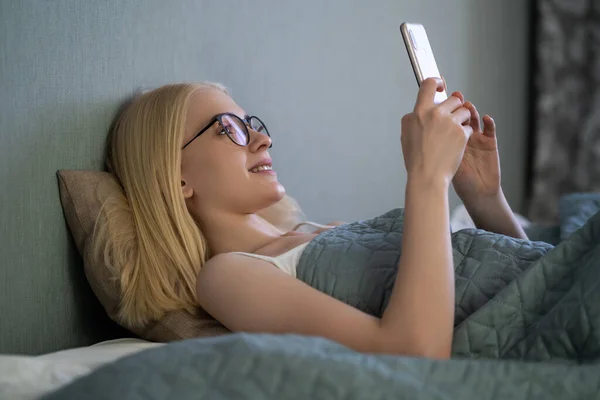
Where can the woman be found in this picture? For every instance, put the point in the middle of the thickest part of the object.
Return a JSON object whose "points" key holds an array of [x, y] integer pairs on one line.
{"points": [[205, 204]]}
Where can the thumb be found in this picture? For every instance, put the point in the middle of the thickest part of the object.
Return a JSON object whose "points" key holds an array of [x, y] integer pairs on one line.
{"points": [[489, 126]]}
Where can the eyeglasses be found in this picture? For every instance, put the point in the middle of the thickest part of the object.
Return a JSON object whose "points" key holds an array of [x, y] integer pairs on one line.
{"points": [[235, 128]]}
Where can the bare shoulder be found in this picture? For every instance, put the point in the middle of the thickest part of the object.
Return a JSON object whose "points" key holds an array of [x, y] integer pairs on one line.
{"points": [[227, 261], [222, 259], [230, 270]]}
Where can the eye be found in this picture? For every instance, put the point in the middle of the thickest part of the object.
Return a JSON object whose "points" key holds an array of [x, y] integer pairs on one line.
{"points": [[225, 129]]}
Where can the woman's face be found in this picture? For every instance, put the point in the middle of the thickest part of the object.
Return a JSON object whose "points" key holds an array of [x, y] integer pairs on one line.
{"points": [[218, 174]]}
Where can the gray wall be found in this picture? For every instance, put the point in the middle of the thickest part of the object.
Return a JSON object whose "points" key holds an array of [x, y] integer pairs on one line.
{"points": [[331, 78]]}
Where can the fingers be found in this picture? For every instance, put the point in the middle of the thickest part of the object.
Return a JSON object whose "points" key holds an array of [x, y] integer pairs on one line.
{"points": [[489, 126], [468, 130], [427, 92], [452, 103], [459, 95], [475, 120], [461, 115]]}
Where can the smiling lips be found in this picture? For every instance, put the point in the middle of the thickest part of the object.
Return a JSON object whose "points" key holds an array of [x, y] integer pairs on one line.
{"points": [[265, 165], [260, 168]]}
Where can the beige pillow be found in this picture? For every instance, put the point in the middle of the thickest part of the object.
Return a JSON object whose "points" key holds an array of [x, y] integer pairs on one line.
{"points": [[81, 201]]}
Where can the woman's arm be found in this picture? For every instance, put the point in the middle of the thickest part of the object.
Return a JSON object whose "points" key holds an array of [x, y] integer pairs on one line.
{"points": [[425, 282], [494, 214], [251, 295], [478, 179]]}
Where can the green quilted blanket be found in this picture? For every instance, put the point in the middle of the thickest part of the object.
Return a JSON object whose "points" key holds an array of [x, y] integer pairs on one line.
{"points": [[515, 299]]}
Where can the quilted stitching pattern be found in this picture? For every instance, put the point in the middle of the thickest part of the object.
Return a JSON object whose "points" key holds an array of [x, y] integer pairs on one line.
{"points": [[551, 311], [514, 298], [260, 366], [575, 209]]}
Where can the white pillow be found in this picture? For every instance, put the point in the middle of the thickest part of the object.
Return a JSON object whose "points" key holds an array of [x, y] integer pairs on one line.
{"points": [[26, 377]]}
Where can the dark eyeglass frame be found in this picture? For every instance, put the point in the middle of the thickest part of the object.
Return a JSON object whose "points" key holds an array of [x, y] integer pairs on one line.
{"points": [[246, 121]]}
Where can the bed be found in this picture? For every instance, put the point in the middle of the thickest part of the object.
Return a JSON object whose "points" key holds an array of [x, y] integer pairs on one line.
{"points": [[524, 329]]}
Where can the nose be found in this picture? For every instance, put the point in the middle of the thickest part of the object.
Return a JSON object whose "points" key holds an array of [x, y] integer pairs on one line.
{"points": [[258, 141]]}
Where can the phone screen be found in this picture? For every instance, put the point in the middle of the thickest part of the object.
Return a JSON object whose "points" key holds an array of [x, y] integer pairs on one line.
{"points": [[421, 55]]}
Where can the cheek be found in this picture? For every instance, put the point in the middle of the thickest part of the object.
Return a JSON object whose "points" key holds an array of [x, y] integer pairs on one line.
{"points": [[199, 172], [194, 169], [214, 174]]}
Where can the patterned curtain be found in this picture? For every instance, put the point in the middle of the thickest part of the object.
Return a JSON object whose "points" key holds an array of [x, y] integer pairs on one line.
{"points": [[566, 103]]}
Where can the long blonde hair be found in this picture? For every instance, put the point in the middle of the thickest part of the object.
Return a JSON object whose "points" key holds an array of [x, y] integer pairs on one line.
{"points": [[145, 234]]}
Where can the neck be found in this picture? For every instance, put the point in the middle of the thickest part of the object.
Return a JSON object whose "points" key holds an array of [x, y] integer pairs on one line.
{"points": [[228, 232]]}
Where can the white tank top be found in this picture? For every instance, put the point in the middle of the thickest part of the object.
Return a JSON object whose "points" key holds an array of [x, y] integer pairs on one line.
{"points": [[288, 261]]}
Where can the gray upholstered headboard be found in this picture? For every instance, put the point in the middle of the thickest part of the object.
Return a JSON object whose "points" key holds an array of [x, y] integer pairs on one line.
{"points": [[64, 71]]}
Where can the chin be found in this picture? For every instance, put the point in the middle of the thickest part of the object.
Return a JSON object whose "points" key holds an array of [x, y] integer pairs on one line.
{"points": [[278, 192], [272, 195], [279, 213], [266, 195]]}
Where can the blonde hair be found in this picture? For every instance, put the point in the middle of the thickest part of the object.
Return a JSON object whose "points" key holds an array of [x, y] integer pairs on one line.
{"points": [[145, 234]]}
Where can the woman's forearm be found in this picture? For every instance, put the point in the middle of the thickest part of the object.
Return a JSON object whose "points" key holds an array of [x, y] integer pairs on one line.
{"points": [[420, 312], [494, 214]]}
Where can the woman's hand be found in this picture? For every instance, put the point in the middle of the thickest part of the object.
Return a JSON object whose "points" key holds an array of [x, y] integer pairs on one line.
{"points": [[478, 175], [477, 180], [434, 136]]}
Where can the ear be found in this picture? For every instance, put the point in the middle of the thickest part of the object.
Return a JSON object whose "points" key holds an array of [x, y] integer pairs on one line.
{"points": [[186, 189]]}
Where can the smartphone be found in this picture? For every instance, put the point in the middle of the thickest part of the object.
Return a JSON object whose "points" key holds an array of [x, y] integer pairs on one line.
{"points": [[421, 56]]}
